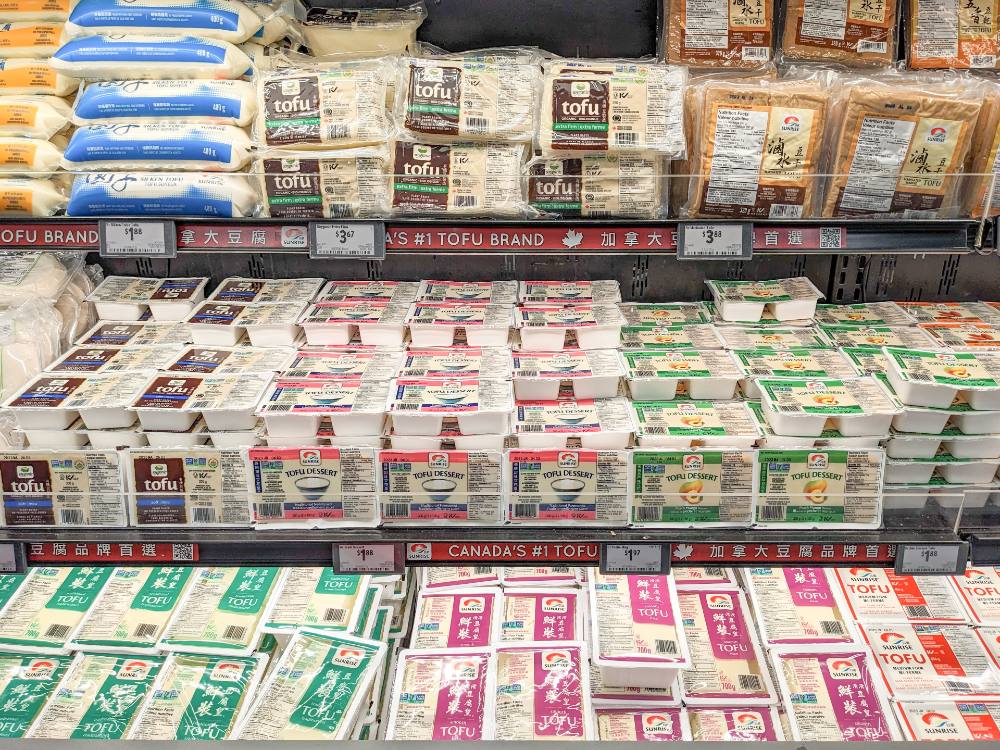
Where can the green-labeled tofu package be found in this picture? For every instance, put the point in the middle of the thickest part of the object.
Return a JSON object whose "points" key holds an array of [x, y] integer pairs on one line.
{"points": [[26, 682], [317, 598]]}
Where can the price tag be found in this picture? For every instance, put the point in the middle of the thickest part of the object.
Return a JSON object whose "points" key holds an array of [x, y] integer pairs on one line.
{"points": [[137, 238], [12, 558], [353, 239], [932, 559], [635, 558], [696, 241], [375, 558]]}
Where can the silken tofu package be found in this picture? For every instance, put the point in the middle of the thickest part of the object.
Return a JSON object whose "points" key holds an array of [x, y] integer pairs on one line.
{"points": [[99, 698], [49, 607], [875, 595], [542, 615], [317, 598], [133, 610], [191, 486], [543, 692], [798, 606], [693, 489], [444, 694], [62, 488], [735, 725], [448, 487], [611, 696], [979, 589], [27, 682], [9, 585], [631, 725], [567, 487], [814, 489], [316, 487], [223, 611], [832, 696], [955, 719], [198, 697], [466, 618], [318, 691], [727, 664], [452, 577]]}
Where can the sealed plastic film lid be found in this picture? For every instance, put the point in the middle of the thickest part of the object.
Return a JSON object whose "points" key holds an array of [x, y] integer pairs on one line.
{"points": [[203, 393], [471, 361], [970, 336], [223, 360], [570, 293], [451, 577], [105, 359], [568, 364], [771, 338], [458, 619], [865, 314], [876, 595], [237, 289], [797, 606], [680, 364], [320, 396], [570, 317], [946, 312], [666, 313], [456, 396], [693, 336], [631, 725], [370, 291], [956, 719], [332, 362], [800, 362], [127, 289], [67, 392], [355, 312], [573, 416], [875, 337], [146, 333], [694, 420], [461, 314], [479, 292]]}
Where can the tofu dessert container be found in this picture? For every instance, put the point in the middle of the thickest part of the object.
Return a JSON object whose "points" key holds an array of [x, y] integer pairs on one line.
{"points": [[875, 337], [122, 437], [963, 336], [56, 401], [127, 298], [449, 439], [746, 301], [693, 336], [790, 363], [194, 436], [949, 468], [664, 313], [229, 439], [216, 323], [604, 292], [493, 362], [538, 376], [935, 378], [382, 292], [172, 402], [238, 289], [296, 408], [654, 375], [863, 315], [734, 337], [598, 424], [544, 329], [103, 359], [946, 312], [352, 362], [688, 424], [469, 292], [438, 323], [802, 408], [829, 438], [335, 323], [480, 406], [138, 333]]}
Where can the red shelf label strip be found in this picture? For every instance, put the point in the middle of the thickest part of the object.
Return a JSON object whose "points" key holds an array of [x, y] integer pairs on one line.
{"points": [[99, 552]]}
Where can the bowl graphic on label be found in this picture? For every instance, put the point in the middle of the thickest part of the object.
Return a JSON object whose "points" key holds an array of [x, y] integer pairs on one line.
{"points": [[563, 364], [327, 398], [312, 488], [450, 400], [468, 293], [439, 489], [815, 491], [460, 314], [357, 314], [691, 491], [571, 420], [567, 489]]}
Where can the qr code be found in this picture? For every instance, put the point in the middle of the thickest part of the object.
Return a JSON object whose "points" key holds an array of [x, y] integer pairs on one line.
{"points": [[183, 553], [831, 238]]}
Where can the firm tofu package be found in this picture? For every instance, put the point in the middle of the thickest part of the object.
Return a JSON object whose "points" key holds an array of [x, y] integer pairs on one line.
{"points": [[952, 34], [955, 719], [459, 577], [852, 34], [735, 725], [880, 596], [317, 598], [600, 186], [718, 34], [979, 589], [631, 725], [465, 618], [542, 614], [27, 683]]}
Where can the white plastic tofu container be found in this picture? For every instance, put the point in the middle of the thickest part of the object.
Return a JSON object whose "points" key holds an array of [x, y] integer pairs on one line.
{"points": [[480, 406], [875, 337], [599, 424], [296, 408], [654, 375], [602, 292], [125, 437], [802, 408], [215, 323], [127, 298], [54, 402], [686, 424], [172, 402], [104, 359], [385, 292], [439, 323], [935, 378], [746, 301], [228, 439], [335, 323], [829, 439], [538, 376], [449, 439], [493, 362], [665, 313], [693, 336], [469, 292], [352, 362], [543, 329], [963, 336], [194, 436], [798, 363], [952, 470], [962, 446], [747, 337], [864, 314], [903, 445], [137, 333], [230, 360], [239, 289], [74, 436]]}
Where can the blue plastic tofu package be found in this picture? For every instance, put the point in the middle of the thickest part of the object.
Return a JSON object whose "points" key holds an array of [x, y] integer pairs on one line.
{"points": [[162, 194], [142, 147], [197, 101], [107, 57], [230, 20]]}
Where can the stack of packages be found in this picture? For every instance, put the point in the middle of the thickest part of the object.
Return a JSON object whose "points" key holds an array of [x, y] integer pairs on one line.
{"points": [[197, 653]]}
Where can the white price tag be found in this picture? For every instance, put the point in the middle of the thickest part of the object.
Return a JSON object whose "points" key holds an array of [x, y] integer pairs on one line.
{"points": [[932, 559], [635, 558], [354, 239], [368, 559], [711, 241], [138, 238], [12, 558]]}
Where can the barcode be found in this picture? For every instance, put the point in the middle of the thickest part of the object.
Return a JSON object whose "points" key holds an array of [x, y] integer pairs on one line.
{"points": [[335, 131], [644, 373], [476, 124], [785, 211], [531, 428], [72, 516], [866, 46], [341, 210], [757, 53], [465, 201], [832, 627], [395, 510], [923, 377], [830, 238], [626, 139], [57, 631], [201, 405], [203, 515], [525, 510], [952, 686], [113, 368], [916, 610], [234, 633], [482, 570], [646, 514], [272, 408], [527, 373], [760, 370], [405, 407], [145, 630], [664, 647], [750, 682], [270, 510], [772, 513], [335, 614], [982, 61], [790, 408], [654, 430]]}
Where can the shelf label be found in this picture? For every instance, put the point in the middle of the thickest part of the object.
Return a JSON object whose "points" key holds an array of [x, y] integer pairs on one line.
{"points": [[698, 241], [635, 558], [932, 559], [364, 240], [385, 558], [137, 238], [12, 557]]}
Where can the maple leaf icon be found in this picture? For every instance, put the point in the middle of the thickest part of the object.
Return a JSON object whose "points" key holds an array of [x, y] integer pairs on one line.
{"points": [[572, 238], [683, 551]]}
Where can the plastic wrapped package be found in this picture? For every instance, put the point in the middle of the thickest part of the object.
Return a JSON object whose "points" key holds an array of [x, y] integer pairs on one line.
{"points": [[348, 183], [33, 116], [317, 598], [29, 76], [856, 34], [953, 34], [107, 57], [599, 186], [29, 39], [437, 578], [27, 683], [611, 106], [467, 617], [636, 724], [735, 725], [758, 148], [900, 146], [718, 33], [274, 19], [154, 194], [29, 340], [221, 102], [23, 196], [229, 20], [326, 105], [982, 188], [34, 10], [362, 32]]}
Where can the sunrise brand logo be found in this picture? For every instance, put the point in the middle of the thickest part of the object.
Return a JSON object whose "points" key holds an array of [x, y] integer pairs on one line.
{"points": [[693, 462], [39, 669], [227, 671], [791, 124], [867, 573], [843, 669], [749, 721], [657, 724], [719, 601], [463, 669], [472, 605], [348, 657], [568, 460], [310, 457], [818, 461], [555, 660], [974, 575], [938, 724], [418, 551], [134, 670], [937, 135], [555, 604], [894, 639], [437, 460]]}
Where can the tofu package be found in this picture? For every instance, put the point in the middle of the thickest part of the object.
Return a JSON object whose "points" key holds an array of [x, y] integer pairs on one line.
{"points": [[221, 102], [952, 34], [361, 32], [35, 39], [27, 683], [854, 34], [27, 75], [318, 598], [29, 156], [33, 116], [23, 196], [229, 20], [187, 194], [718, 34], [35, 10]]}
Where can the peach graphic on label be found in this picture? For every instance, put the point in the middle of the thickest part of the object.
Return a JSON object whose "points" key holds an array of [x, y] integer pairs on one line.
{"points": [[663, 339], [691, 491], [980, 337], [693, 421], [875, 339], [815, 491], [825, 399], [794, 365], [680, 366], [855, 316], [957, 372]]}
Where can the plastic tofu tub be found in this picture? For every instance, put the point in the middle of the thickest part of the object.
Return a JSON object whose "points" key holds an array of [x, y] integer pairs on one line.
{"points": [[734, 337], [54, 402], [665, 313], [216, 323], [238, 289], [74, 436], [538, 376], [127, 298], [194, 436], [493, 362], [543, 329], [963, 336], [747, 301], [334, 323], [102, 359], [863, 314], [946, 312], [469, 292], [599, 424], [353, 362], [791, 363], [238, 438], [654, 375], [801, 408], [603, 292], [230, 360], [296, 408], [438, 323], [450, 438], [384, 292], [138, 333], [902, 445], [693, 336], [126, 437], [687, 424], [172, 402], [829, 439], [480, 406], [935, 378], [952, 470], [875, 337]]}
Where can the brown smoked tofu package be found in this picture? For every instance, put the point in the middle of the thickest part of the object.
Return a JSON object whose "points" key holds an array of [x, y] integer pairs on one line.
{"points": [[984, 159], [856, 33], [718, 33], [953, 33]]}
